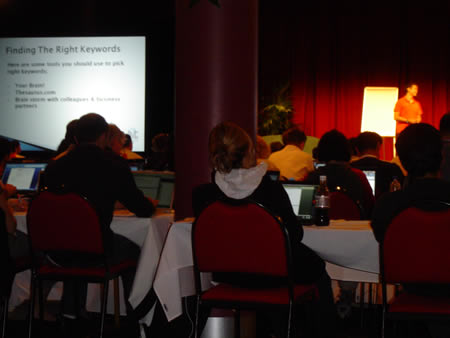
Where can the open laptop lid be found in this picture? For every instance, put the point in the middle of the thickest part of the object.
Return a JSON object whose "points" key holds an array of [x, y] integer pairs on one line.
{"points": [[157, 186], [24, 176], [371, 177], [302, 199]]}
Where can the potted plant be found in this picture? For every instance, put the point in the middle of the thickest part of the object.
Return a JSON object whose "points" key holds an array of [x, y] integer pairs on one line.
{"points": [[275, 116]]}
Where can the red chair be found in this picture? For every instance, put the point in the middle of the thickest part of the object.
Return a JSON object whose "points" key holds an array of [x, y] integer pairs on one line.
{"points": [[342, 206], [415, 250], [245, 238], [67, 223], [10, 267]]}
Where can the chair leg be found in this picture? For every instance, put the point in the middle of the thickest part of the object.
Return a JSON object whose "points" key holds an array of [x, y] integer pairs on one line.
{"points": [[197, 315], [5, 316], [103, 306], [361, 301], [41, 301], [237, 323], [290, 317], [116, 302], [31, 306]]}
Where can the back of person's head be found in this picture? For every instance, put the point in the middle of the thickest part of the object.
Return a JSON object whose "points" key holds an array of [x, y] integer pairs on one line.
{"points": [[230, 147], [294, 136], [354, 151], [90, 128], [128, 142], [368, 141], [419, 148], [276, 146], [114, 137], [262, 148], [333, 146], [71, 128], [444, 125], [161, 143], [5, 149]]}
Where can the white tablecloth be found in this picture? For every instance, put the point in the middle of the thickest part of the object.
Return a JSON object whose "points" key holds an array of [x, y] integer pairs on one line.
{"points": [[134, 228], [349, 245]]}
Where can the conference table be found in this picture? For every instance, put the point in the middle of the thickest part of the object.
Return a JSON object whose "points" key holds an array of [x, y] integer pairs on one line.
{"points": [[348, 247], [165, 266], [145, 232]]}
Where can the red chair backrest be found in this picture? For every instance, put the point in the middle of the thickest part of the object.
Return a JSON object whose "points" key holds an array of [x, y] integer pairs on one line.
{"points": [[416, 247], [239, 238], [64, 222], [343, 207]]}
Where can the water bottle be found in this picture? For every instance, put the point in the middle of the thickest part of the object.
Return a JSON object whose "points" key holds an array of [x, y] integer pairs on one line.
{"points": [[322, 205], [395, 185]]}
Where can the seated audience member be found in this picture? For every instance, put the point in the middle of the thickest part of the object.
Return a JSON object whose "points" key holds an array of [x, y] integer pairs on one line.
{"points": [[276, 146], [262, 148], [369, 145], [334, 150], [419, 147], [69, 140], [444, 127], [263, 153], [420, 150], [354, 151], [16, 149], [17, 240], [396, 161], [292, 162], [103, 177], [115, 139], [161, 156], [237, 176], [127, 150]]}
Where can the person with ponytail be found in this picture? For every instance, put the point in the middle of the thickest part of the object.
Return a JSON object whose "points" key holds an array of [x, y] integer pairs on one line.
{"points": [[236, 176]]}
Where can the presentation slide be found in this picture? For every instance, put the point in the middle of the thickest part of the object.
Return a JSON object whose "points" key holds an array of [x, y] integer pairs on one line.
{"points": [[47, 82]]}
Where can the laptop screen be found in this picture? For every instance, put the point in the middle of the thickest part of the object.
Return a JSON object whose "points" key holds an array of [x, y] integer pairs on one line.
{"points": [[24, 176], [302, 198], [157, 186], [370, 175]]}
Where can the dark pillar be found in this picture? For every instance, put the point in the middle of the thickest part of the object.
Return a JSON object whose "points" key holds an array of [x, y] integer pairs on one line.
{"points": [[216, 69]]}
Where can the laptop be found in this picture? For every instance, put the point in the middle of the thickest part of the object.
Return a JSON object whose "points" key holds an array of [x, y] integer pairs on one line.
{"points": [[371, 177], [24, 176], [157, 186], [302, 200]]}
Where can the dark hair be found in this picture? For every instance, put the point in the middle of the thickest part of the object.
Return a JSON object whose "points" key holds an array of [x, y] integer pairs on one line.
{"points": [[294, 136], [229, 144], [410, 84], [276, 146], [368, 140], [90, 127], [333, 146], [419, 148], [71, 130], [5, 148], [444, 124], [161, 142], [128, 141]]}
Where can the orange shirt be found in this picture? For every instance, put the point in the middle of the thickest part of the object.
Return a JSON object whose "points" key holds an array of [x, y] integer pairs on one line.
{"points": [[408, 110]]}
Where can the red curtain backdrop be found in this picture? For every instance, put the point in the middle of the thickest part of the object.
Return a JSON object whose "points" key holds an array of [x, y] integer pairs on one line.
{"points": [[330, 51]]}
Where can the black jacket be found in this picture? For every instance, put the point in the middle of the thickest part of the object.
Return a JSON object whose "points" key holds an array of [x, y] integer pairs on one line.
{"points": [[308, 265]]}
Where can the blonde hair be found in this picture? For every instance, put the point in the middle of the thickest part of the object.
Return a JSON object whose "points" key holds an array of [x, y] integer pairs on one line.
{"points": [[230, 147]]}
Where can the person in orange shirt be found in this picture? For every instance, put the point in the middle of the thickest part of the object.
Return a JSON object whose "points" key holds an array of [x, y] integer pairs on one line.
{"points": [[407, 109]]}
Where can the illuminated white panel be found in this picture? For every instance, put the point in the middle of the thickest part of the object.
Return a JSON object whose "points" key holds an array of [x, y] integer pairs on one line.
{"points": [[378, 110]]}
